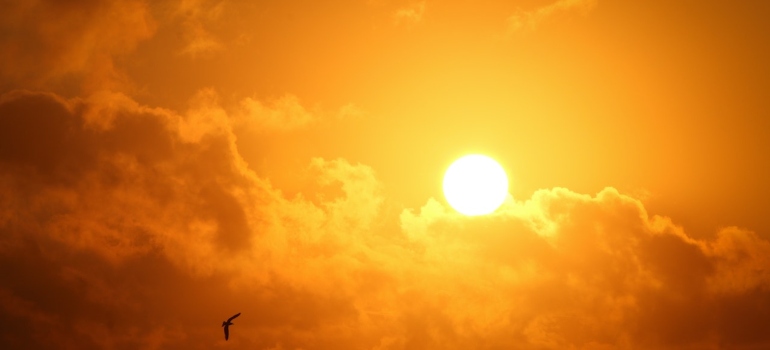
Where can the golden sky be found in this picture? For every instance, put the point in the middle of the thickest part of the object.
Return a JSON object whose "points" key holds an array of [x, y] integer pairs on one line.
{"points": [[167, 164]]}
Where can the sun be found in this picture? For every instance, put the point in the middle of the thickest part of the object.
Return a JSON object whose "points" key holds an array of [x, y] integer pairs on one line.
{"points": [[475, 185]]}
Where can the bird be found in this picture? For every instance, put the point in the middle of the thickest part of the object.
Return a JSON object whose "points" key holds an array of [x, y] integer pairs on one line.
{"points": [[227, 325]]}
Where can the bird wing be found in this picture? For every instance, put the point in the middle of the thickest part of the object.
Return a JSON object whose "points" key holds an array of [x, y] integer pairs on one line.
{"points": [[234, 316], [227, 332]]}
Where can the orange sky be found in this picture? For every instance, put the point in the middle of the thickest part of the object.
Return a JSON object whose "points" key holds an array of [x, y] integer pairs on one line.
{"points": [[164, 165]]}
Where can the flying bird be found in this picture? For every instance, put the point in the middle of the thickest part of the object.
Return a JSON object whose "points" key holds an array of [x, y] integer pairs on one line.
{"points": [[227, 325]]}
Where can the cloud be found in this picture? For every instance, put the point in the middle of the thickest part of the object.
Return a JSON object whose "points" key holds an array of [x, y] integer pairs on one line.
{"points": [[525, 21], [410, 15], [195, 15], [126, 226], [565, 270], [282, 114], [287, 113], [350, 111], [101, 186], [53, 44], [47, 41]]}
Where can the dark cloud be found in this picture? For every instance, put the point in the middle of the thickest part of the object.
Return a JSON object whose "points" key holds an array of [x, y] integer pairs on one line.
{"points": [[118, 220]]}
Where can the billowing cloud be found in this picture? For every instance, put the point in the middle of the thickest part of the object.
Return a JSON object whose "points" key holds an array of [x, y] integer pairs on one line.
{"points": [[85, 198], [524, 21], [125, 226], [565, 270]]}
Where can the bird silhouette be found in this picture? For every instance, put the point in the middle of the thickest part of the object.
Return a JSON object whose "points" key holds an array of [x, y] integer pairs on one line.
{"points": [[227, 325]]}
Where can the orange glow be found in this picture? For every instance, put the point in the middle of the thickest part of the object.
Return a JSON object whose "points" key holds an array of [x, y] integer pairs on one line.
{"points": [[166, 165]]}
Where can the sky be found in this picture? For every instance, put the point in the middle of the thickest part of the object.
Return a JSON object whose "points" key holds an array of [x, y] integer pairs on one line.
{"points": [[167, 164]]}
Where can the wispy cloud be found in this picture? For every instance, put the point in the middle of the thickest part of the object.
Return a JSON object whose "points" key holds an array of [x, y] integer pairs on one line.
{"points": [[281, 114], [196, 15], [287, 113], [525, 21], [45, 41], [410, 15]]}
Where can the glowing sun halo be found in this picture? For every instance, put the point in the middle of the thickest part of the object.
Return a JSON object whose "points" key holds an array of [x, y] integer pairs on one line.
{"points": [[475, 185]]}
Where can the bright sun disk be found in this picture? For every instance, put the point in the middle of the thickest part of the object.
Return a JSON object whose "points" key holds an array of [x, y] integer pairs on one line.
{"points": [[475, 185]]}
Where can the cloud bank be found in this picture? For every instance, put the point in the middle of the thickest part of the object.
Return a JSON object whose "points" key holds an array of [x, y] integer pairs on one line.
{"points": [[126, 226]]}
